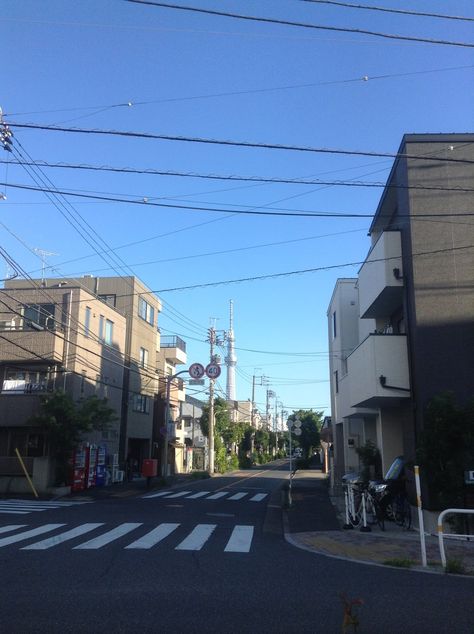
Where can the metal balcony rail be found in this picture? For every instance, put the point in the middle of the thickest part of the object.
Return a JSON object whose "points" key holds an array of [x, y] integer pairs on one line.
{"points": [[169, 341]]}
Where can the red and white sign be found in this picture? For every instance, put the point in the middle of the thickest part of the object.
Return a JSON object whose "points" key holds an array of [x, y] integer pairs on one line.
{"points": [[196, 370], [213, 370]]}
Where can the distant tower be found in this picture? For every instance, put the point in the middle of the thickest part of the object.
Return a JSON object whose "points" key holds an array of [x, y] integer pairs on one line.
{"points": [[231, 359]]}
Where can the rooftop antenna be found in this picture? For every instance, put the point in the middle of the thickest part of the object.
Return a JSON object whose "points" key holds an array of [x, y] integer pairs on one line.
{"points": [[41, 253]]}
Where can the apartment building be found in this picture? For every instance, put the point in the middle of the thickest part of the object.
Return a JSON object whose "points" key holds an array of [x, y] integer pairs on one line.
{"points": [[56, 336], [137, 308], [170, 355], [401, 332]]}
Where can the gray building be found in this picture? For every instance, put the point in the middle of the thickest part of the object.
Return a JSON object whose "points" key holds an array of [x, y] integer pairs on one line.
{"points": [[402, 331]]}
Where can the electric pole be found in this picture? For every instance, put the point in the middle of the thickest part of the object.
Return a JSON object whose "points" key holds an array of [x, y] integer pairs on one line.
{"points": [[212, 341]]}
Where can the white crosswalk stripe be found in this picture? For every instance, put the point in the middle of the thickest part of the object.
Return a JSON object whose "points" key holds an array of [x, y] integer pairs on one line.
{"points": [[207, 495], [24, 507], [239, 541], [197, 538]]}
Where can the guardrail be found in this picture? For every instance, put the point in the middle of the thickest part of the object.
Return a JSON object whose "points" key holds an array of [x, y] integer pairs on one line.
{"points": [[442, 535]]}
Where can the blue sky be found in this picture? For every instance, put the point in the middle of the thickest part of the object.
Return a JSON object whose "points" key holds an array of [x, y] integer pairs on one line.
{"points": [[198, 75]]}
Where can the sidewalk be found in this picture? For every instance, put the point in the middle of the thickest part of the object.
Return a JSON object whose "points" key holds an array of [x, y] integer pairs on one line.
{"points": [[314, 522]]}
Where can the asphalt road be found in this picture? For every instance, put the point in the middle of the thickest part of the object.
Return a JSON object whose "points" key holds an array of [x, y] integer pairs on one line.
{"points": [[215, 562]]}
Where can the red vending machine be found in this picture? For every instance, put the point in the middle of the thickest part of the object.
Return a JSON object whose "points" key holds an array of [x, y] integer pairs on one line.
{"points": [[91, 465], [79, 469]]}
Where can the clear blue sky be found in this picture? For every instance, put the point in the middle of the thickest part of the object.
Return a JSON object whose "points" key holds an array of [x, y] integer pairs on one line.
{"points": [[80, 58]]}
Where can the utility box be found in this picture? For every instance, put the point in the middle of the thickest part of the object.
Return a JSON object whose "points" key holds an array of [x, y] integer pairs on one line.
{"points": [[150, 467]]}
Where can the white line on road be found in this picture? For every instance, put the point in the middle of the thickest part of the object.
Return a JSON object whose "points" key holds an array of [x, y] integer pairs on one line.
{"points": [[5, 541], [12, 527], [197, 538], [258, 497], [62, 537], [155, 495], [153, 537], [216, 496], [237, 496], [15, 512], [108, 537], [240, 540], [178, 495], [197, 495]]}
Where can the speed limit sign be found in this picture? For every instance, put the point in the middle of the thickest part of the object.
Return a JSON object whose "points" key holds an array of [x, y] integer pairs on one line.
{"points": [[213, 370]]}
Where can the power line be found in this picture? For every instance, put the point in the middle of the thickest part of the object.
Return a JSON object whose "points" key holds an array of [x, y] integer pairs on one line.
{"points": [[304, 25], [234, 93], [224, 142], [233, 177], [252, 211], [348, 5]]}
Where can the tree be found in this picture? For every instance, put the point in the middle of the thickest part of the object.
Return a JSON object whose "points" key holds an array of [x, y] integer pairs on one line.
{"points": [[311, 422], [446, 448], [65, 423], [221, 417]]}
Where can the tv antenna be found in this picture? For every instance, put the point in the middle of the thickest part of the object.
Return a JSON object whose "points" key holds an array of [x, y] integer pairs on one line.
{"points": [[41, 253]]}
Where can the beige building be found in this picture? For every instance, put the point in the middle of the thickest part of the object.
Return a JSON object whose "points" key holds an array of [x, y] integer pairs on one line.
{"points": [[54, 336]]}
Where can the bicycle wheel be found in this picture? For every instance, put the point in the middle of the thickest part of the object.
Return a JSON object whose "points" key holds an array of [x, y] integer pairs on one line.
{"points": [[356, 518], [403, 513], [370, 509]]}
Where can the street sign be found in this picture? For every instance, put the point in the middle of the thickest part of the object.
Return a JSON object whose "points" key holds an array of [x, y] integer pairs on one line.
{"points": [[196, 382], [213, 370], [196, 370], [297, 432], [297, 423]]}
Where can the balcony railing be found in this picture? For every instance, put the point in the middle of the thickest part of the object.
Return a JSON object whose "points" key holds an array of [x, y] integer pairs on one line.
{"points": [[378, 371], [381, 277], [173, 342]]}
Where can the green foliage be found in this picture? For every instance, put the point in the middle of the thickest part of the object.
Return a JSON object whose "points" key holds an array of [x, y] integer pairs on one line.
{"points": [[455, 567], [66, 423], [370, 458], [446, 448], [311, 422]]}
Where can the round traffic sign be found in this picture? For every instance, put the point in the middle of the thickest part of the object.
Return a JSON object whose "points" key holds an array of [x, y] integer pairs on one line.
{"points": [[297, 432], [213, 370], [196, 370]]}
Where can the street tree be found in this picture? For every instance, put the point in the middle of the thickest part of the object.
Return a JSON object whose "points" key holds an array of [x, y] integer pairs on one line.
{"points": [[66, 422], [311, 422]]}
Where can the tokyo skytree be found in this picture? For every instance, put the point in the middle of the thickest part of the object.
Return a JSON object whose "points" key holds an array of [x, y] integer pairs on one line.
{"points": [[231, 359]]}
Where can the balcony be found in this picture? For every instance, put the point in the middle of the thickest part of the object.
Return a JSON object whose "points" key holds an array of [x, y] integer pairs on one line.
{"points": [[379, 356], [380, 278], [174, 349], [20, 346]]}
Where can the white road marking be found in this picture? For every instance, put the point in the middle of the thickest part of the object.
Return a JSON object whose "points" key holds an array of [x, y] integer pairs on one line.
{"points": [[62, 537], [240, 540], [216, 496], [197, 538], [178, 495], [155, 495], [258, 497], [108, 537], [15, 512], [12, 527], [237, 496], [5, 541], [197, 495], [153, 537]]}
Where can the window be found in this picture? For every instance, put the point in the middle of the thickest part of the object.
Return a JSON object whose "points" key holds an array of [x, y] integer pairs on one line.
{"points": [[41, 315], [111, 300], [140, 403], [146, 311], [143, 358], [106, 330], [336, 381], [334, 325], [87, 322]]}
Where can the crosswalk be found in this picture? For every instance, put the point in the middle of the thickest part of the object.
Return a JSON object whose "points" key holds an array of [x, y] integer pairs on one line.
{"points": [[24, 507], [238, 541], [207, 495]]}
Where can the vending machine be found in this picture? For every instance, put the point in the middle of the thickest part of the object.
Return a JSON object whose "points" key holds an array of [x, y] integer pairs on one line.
{"points": [[91, 464], [101, 467], [79, 469]]}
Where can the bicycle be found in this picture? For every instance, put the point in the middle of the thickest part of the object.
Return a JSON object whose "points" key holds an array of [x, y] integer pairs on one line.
{"points": [[392, 505], [361, 501]]}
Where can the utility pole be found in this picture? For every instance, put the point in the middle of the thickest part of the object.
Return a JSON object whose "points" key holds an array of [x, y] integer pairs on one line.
{"points": [[212, 341]]}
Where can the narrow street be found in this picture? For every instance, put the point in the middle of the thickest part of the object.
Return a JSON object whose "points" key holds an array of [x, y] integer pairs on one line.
{"points": [[207, 556]]}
